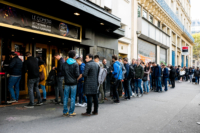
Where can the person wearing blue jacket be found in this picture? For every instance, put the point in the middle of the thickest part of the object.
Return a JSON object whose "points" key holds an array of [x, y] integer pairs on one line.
{"points": [[117, 73], [165, 76], [157, 76], [81, 83], [126, 82]]}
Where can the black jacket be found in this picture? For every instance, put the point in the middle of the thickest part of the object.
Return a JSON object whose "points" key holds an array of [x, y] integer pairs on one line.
{"points": [[186, 71], [196, 73], [31, 65], [60, 73], [71, 73], [91, 78], [16, 66], [172, 73]]}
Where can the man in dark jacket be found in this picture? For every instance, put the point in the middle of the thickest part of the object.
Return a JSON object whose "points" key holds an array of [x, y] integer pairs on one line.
{"points": [[196, 75], [59, 79], [15, 77], [165, 76], [31, 65], [172, 76], [139, 72], [157, 76], [105, 82], [70, 71], [126, 82], [90, 89], [186, 73]]}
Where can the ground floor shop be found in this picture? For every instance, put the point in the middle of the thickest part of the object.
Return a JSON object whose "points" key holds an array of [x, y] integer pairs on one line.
{"points": [[23, 30]]}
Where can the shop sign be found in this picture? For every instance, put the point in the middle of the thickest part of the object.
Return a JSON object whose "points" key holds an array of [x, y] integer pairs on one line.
{"points": [[185, 50], [17, 17]]}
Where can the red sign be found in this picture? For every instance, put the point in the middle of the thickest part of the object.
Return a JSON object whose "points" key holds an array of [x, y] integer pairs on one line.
{"points": [[2, 73]]}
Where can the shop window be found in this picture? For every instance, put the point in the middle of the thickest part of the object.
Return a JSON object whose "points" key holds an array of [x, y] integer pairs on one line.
{"points": [[105, 53], [163, 56], [41, 54], [80, 52]]}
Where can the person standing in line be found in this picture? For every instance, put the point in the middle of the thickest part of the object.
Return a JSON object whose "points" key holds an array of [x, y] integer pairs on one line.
{"points": [[71, 73], [186, 73], [120, 86], [145, 78], [15, 77], [139, 72], [196, 75], [90, 88], [126, 82], [157, 75], [178, 72], [59, 79], [43, 82], [132, 78], [172, 76], [169, 66], [81, 83], [118, 76], [96, 59], [31, 65], [165, 76], [105, 82], [181, 75], [191, 73]]}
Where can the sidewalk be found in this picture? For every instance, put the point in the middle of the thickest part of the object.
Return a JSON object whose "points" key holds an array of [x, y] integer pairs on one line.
{"points": [[175, 111]]}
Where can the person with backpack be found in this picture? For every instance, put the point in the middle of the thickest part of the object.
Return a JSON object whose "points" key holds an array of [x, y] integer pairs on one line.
{"points": [[145, 78], [126, 82], [43, 78], [139, 72], [31, 66], [172, 76], [96, 59], [15, 77], [71, 73], [59, 79], [117, 76], [90, 88], [81, 84], [165, 76]]}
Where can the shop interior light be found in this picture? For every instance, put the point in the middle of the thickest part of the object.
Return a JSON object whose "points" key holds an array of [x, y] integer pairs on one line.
{"points": [[76, 13], [101, 23]]}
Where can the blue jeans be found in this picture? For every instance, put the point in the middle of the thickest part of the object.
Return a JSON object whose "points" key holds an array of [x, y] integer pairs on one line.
{"points": [[158, 84], [67, 90], [80, 92], [14, 81], [138, 83], [146, 86], [165, 83], [197, 79], [169, 81], [44, 91], [151, 81]]}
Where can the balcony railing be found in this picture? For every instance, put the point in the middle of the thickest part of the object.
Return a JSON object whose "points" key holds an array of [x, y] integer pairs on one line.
{"points": [[165, 6]]}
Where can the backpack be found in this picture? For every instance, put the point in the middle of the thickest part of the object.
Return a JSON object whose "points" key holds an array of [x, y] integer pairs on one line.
{"points": [[51, 79], [131, 72], [102, 75]]}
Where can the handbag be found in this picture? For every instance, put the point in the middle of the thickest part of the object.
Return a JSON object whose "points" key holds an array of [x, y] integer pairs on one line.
{"points": [[144, 78], [42, 76]]}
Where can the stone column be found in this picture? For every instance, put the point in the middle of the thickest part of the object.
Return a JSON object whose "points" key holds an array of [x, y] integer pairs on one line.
{"points": [[176, 60], [158, 54], [169, 51]]}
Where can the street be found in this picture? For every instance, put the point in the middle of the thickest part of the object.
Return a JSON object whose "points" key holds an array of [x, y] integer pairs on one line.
{"points": [[175, 111]]}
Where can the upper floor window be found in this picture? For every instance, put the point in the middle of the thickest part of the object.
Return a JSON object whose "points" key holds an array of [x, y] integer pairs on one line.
{"points": [[139, 11], [158, 24], [145, 14], [177, 12], [151, 18]]}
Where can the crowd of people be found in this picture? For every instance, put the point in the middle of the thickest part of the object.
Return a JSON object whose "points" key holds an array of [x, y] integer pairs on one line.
{"points": [[87, 82]]}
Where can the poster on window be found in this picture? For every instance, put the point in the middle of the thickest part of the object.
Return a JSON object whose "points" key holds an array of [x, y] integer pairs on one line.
{"points": [[144, 58], [18, 17]]}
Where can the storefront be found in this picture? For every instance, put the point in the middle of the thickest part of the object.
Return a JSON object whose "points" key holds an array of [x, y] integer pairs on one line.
{"points": [[32, 27], [146, 51], [163, 56]]}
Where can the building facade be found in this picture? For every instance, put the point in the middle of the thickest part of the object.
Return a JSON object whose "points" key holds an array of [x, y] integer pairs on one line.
{"points": [[163, 28], [121, 9], [195, 26], [26, 26]]}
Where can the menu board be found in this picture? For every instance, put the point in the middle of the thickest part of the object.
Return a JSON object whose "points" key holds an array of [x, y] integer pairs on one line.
{"points": [[18, 17]]}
